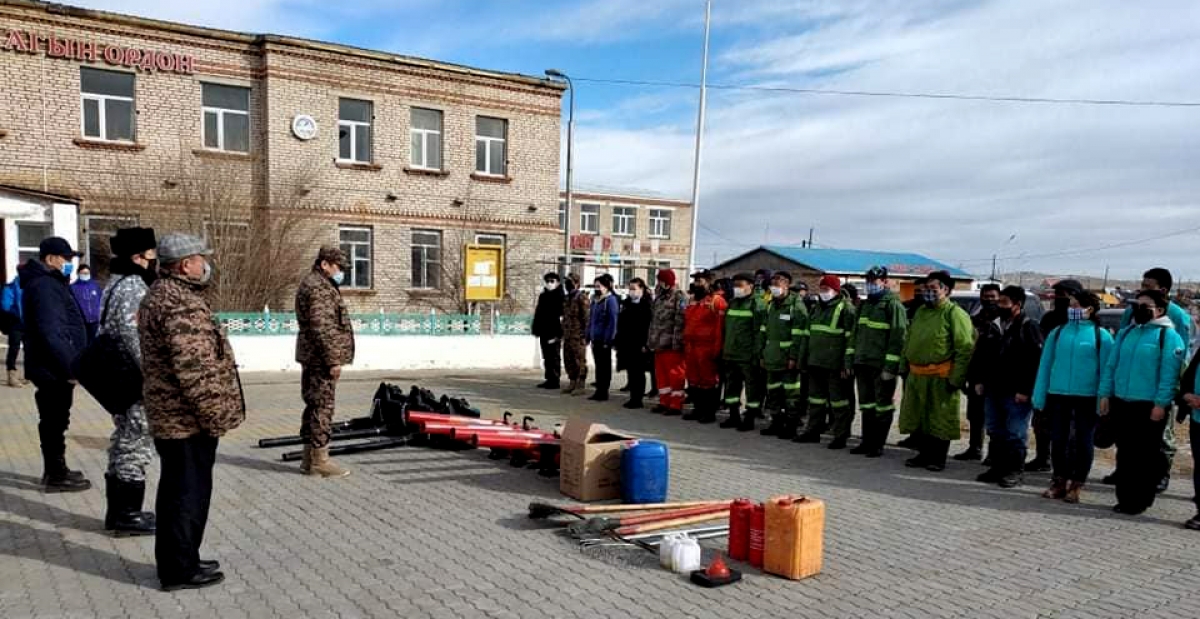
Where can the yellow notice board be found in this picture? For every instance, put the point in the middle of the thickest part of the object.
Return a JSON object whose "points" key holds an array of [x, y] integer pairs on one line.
{"points": [[484, 272]]}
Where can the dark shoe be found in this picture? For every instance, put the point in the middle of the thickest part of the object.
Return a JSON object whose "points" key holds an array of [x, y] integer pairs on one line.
{"points": [[631, 405], [199, 581], [599, 396], [970, 455], [1057, 489], [1038, 465], [624, 389], [912, 442], [1163, 484], [208, 567], [990, 476], [916, 462], [123, 516], [711, 417], [1110, 479], [55, 484], [875, 452], [787, 430], [1012, 479], [1193, 523], [659, 408], [735, 419], [747, 424], [936, 467], [672, 412], [988, 461], [692, 415], [837, 443], [862, 449], [773, 428], [549, 385], [808, 437], [652, 394], [1127, 510]]}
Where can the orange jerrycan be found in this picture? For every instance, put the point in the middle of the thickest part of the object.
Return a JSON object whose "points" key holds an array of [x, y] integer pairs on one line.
{"points": [[795, 530]]}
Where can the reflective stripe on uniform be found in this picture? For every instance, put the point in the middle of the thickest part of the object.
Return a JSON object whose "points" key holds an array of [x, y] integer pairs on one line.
{"points": [[664, 391], [825, 329], [763, 328], [791, 386], [732, 400], [787, 344], [892, 358], [799, 331], [739, 313], [886, 409], [839, 403], [774, 385], [873, 324], [817, 401], [849, 351], [868, 407]]}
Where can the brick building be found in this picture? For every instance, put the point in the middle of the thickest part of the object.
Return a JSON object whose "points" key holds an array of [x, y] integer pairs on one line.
{"points": [[624, 233], [271, 146]]}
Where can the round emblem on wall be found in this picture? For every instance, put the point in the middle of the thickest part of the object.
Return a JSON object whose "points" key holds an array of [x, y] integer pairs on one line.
{"points": [[304, 127]]}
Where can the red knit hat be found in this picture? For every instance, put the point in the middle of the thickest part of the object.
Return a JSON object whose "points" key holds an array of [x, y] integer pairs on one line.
{"points": [[667, 276], [832, 282]]}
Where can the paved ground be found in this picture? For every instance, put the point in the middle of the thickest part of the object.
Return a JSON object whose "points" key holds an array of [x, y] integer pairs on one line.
{"points": [[420, 533]]}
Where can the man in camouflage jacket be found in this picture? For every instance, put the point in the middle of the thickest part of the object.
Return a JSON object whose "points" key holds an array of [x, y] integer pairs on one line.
{"points": [[193, 396], [575, 318], [324, 344], [666, 341]]}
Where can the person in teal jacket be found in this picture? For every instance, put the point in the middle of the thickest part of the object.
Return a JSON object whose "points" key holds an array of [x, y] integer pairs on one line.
{"points": [[1137, 386], [1161, 279], [1068, 382]]}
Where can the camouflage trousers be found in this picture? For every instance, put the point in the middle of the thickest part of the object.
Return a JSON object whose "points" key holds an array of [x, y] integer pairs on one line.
{"points": [[131, 447], [317, 388], [575, 358]]}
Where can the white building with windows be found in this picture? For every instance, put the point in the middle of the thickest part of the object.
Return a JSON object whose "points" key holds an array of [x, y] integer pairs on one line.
{"points": [[30, 216]]}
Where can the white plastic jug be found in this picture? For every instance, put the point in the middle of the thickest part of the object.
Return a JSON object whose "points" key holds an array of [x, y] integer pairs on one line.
{"points": [[685, 555], [666, 550]]}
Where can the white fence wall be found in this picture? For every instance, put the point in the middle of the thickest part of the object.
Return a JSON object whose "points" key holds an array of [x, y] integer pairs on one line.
{"points": [[271, 353]]}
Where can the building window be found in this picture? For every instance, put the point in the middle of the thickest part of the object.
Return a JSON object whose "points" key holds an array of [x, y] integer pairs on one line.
{"points": [[99, 230], [655, 267], [29, 236], [354, 131], [589, 218], [627, 273], [426, 131], [427, 259], [226, 111], [489, 239], [660, 224], [491, 137], [107, 104], [562, 215], [355, 243], [624, 221]]}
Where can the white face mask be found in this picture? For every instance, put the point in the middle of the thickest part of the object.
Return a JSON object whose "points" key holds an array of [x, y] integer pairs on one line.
{"points": [[741, 293], [776, 291], [826, 296], [551, 285], [635, 295], [84, 277]]}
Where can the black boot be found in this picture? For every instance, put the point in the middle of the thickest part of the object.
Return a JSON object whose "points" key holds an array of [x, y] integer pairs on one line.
{"points": [[868, 435], [735, 417], [748, 418], [58, 478], [772, 428], [124, 516], [996, 466], [939, 449], [710, 402], [787, 430], [883, 425], [693, 399]]}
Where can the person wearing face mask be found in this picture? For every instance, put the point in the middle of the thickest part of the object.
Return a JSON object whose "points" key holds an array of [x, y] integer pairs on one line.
{"points": [[602, 334], [547, 328], [576, 308], [1068, 381], [981, 317], [878, 342], [703, 332], [1139, 383], [1064, 290], [666, 340], [131, 448], [324, 344], [741, 351], [633, 331], [87, 294], [829, 365], [193, 397], [55, 335], [934, 363], [785, 346], [1006, 363]]}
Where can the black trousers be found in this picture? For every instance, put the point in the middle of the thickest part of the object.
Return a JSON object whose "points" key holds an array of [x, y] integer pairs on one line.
{"points": [[184, 494], [635, 374], [602, 354], [14, 348], [976, 419], [552, 358], [1194, 439], [1142, 463], [54, 400]]}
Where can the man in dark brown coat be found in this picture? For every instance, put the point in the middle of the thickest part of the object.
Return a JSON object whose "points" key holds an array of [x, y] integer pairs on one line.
{"points": [[325, 343], [193, 396]]}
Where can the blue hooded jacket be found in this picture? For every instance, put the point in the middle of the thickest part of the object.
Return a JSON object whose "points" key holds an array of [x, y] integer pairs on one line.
{"points": [[12, 299], [602, 325], [1179, 318], [1145, 365], [1071, 361]]}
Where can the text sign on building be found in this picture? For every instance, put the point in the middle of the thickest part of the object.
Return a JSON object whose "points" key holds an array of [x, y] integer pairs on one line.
{"points": [[484, 272], [145, 60]]}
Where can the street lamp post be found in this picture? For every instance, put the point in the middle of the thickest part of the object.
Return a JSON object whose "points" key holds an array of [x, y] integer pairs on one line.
{"points": [[555, 73]]}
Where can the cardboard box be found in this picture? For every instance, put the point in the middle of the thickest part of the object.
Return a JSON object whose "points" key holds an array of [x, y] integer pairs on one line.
{"points": [[590, 461]]}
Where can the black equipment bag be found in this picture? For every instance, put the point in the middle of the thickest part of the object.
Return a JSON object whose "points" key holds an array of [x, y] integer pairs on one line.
{"points": [[108, 371]]}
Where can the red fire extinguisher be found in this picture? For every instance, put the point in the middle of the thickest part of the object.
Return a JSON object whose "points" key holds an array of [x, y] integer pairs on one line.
{"points": [[758, 535], [740, 514]]}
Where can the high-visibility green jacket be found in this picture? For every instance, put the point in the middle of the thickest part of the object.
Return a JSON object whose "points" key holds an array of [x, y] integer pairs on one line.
{"points": [[785, 332], [879, 333], [830, 330], [743, 329]]}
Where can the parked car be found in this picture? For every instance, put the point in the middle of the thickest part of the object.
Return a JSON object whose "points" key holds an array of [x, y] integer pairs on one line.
{"points": [[1110, 319], [969, 300]]}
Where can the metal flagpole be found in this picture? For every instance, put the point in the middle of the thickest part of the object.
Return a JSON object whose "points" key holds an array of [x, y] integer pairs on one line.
{"points": [[699, 139]]}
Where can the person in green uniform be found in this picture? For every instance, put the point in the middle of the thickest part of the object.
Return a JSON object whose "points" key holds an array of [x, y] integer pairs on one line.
{"points": [[935, 359], [743, 348], [878, 344], [830, 358], [785, 345]]}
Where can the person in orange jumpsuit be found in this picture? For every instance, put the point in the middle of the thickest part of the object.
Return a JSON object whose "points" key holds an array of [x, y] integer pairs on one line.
{"points": [[703, 332]]}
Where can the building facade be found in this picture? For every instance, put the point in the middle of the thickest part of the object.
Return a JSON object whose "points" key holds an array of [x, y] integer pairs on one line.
{"points": [[272, 146], [625, 234]]}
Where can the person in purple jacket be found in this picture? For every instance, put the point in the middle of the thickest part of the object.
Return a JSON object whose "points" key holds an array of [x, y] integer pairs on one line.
{"points": [[602, 333], [88, 294]]}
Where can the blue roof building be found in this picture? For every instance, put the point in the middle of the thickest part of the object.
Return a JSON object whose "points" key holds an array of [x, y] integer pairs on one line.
{"points": [[808, 263]]}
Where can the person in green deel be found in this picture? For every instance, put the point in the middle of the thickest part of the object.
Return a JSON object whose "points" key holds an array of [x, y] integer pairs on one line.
{"points": [[940, 342]]}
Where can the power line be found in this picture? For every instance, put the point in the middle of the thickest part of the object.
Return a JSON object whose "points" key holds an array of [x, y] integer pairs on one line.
{"points": [[1089, 250], [902, 95]]}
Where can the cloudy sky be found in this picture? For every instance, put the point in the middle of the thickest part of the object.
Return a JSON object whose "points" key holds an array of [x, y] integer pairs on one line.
{"points": [[1080, 186]]}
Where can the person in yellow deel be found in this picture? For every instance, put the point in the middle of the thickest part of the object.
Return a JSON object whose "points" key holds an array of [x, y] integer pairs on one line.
{"points": [[940, 342]]}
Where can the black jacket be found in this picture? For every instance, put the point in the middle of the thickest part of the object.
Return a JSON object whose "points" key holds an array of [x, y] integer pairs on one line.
{"points": [[633, 329], [547, 318], [1052, 320], [1006, 361], [54, 330]]}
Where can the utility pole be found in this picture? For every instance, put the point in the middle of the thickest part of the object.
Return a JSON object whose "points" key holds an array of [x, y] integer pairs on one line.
{"points": [[810, 235], [699, 137], [1105, 286], [993, 277]]}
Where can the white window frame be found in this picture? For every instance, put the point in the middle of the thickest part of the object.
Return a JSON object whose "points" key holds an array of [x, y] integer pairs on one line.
{"points": [[487, 150], [101, 103], [221, 112], [425, 256], [629, 221], [654, 222], [481, 237], [595, 216], [424, 134], [352, 127], [352, 262], [562, 215], [34, 250]]}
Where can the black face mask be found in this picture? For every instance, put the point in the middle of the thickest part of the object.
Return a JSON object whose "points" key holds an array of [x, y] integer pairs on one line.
{"points": [[1143, 314], [569, 286], [698, 291], [1005, 314], [1062, 303]]}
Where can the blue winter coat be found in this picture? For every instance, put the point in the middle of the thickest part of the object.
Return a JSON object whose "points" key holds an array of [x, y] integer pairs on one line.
{"points": [[11, 300], [1181, 320], [54, 330], [88, 294], [602, 325], [1071, 362], [1139, 370]]}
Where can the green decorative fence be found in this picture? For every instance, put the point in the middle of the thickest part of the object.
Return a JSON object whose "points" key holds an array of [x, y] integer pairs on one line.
{"points": [[284, 323]]}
